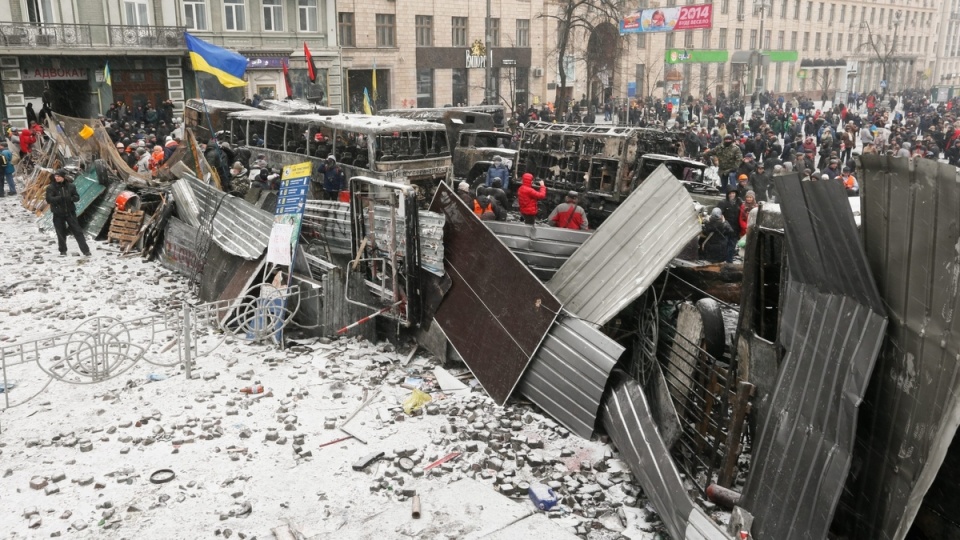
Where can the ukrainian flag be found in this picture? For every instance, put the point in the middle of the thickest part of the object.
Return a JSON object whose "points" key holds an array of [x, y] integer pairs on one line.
{"points": [[227, 66]]}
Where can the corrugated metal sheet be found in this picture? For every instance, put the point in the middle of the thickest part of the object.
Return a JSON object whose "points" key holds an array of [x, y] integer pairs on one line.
{"points": [[626, 418], [542, 249], [328, 222], [495, 325], [238, 227], [909, 212], [569, 372], [831, 326], [88, 188], [95, 219], [179, 250], [615, 265]]}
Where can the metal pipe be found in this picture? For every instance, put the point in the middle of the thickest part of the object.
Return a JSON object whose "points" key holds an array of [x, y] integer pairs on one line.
{"points": [[187, 359], [487, 72], [415, 508]]}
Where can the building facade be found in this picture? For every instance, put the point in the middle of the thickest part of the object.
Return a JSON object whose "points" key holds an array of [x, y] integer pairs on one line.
{"points": [[808, 47], [55, 51], [432, 55]]}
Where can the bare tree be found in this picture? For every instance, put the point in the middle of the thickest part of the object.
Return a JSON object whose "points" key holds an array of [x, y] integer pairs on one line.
{"points": [[883, 47], [578, 17]]}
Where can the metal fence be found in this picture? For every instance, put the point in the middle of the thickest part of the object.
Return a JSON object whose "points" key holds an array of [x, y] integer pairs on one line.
{"points": [[101, 348], [710, 404], [58, 36]]}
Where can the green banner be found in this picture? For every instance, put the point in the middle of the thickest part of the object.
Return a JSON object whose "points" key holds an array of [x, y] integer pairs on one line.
{"points": [[692, 56], [782, 56]]}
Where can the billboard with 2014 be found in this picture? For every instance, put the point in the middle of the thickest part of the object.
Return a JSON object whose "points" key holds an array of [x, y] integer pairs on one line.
{"points": [[668, 19]]}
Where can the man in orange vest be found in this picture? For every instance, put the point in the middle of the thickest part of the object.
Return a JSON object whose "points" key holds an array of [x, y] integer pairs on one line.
{"points": [[849, 182], [486, 207], [569, 215]]}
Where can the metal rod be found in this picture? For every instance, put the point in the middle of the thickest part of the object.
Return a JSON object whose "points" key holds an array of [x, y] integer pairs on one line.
{"points": [[415, 507], [187, 353]]}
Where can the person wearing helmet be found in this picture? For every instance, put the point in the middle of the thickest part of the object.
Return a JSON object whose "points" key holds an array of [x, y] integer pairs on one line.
{"points": [[61, 196]]}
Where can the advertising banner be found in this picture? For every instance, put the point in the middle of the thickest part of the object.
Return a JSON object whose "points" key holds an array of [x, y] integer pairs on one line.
{"points": [[668, 19], [291, 200]]}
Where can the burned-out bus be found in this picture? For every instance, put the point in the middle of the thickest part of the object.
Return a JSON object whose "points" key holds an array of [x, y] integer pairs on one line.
{"points": [[603, 163], [385, 148], [200, 115]]}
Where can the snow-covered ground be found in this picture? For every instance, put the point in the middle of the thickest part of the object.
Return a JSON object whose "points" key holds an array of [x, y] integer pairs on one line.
{"points": [[76, 460]]}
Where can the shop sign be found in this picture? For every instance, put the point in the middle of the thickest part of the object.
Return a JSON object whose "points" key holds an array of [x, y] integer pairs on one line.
{"points": [[476, 56], [266, 62], [696, 56], [54, 74]]}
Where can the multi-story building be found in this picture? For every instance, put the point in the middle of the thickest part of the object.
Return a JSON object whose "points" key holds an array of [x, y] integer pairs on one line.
{"points": [[809, 47], [57, 50], [431, 55]]}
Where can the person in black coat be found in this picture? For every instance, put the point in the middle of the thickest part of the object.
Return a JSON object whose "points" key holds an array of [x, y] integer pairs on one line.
{"points": [[61, 196], [730, 211], [716, 237]]}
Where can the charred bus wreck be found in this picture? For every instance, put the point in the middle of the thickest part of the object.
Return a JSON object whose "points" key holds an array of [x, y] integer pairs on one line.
{"points": [[604, 163]]}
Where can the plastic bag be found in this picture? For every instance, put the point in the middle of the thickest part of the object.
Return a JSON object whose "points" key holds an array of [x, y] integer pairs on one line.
{"points": [[415, 400], [712, 175]]}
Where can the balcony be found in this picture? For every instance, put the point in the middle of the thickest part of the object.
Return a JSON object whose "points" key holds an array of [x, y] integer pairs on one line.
{"points": [[14, 35]]}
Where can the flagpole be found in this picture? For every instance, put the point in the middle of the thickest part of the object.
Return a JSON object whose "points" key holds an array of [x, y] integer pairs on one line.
{"points": [[213, 134]]}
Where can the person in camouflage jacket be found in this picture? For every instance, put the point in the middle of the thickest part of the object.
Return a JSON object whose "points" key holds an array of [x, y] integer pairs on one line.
{"points": [[729, 157]]}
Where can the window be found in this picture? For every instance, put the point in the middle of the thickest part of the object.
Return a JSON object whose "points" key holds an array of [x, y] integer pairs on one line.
{"points": [[724, 6], [386, 30], [348, 37], [494, 32], [806, 41], [706, 39], [424, 27], [523, 33], [40, 11], [809, 10], [424, 88], [783, 9], [829, 44], [722, 39], [272, 15], [641, 41], [460, 85], [820, 12], [740, 9], [753, 39], [458, 37], [688, 39], [853, 14], [737, 38], [307, 15], [843, 12], [136, 12], [781, 35], [195, 14], [790, 73], [796, 9], [816, 42], [669, 40], [833, 12], [766, 40], [839, 42], [234, 17], [873, 14], [793, 41]]}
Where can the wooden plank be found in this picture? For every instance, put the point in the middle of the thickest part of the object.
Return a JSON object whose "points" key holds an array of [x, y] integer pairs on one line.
{"points": [[741, 407]]}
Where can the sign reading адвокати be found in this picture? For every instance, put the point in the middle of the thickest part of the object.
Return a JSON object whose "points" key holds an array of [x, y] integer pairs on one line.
{"points": [[53, 74]]}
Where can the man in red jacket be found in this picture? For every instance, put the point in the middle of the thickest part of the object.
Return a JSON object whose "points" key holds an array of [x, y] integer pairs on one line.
{"points": [[527, 197]]}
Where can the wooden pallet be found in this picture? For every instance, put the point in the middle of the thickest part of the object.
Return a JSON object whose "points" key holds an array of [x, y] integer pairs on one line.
{"points": [[125, 228]]}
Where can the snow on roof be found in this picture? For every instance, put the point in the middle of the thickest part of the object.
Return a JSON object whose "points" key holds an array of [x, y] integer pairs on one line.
{"points": [[348, 122]]}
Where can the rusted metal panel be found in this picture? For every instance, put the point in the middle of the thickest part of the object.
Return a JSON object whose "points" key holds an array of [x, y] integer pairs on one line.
{"points": [[235, 225], [831, 326], [639, 239], [495, 324], [910, 414], [179, 250], [626, 418], [569, 372]]}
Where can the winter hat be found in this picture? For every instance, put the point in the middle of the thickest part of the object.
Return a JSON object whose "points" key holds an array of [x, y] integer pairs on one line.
{"points": [[716, 214], [464, 186]]}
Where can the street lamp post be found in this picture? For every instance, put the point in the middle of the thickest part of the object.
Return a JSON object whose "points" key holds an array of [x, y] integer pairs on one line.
{"points": [[760, 5]]}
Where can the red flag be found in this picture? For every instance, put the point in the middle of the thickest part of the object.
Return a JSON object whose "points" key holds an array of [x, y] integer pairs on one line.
{"points": [[311, 69], [286, 78]]}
